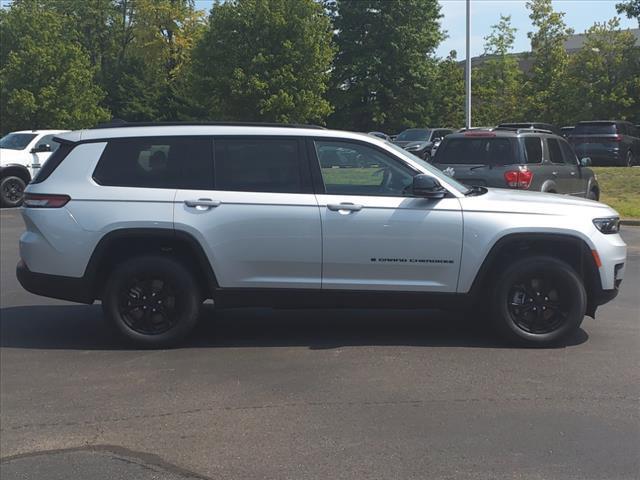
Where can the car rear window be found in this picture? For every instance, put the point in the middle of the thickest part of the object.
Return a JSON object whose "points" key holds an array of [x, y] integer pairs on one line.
{"points": [[477, 151], [594, 129], [157, 162]]}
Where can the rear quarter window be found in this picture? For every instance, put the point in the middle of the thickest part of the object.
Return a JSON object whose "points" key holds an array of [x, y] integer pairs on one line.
{"points": [[533, 149], [157, 162]]}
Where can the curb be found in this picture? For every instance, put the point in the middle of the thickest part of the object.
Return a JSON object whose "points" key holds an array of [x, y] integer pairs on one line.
{"points": [[630, 222]]}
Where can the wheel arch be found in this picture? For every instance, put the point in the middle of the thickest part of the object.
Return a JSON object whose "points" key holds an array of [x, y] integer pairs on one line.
{"points": [[117, 246], [17, 170], [569, 248]]}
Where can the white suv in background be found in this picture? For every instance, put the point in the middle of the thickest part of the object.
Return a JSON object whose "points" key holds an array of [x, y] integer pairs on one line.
{"points": [[154, 219], [21, 156]]}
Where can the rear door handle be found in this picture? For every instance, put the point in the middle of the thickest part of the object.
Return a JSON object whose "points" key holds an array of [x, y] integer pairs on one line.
{"points": [[203, 203], [344, 207], [555, 174]]}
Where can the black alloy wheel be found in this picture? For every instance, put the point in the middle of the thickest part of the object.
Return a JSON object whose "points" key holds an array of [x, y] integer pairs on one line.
{"points": [[12, 191]]}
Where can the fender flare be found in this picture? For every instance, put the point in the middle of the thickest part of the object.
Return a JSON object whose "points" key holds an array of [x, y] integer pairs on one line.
{"points": [[549, 186], [21, 171]]}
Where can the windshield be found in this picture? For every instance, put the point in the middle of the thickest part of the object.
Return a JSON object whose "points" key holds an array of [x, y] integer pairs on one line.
{"points": [[430, 168], [414, 135], [16, 141]]}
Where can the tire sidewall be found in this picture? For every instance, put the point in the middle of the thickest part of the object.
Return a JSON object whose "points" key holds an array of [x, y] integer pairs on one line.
{"points": [[501, 315], [6, 202], [167, 268]]}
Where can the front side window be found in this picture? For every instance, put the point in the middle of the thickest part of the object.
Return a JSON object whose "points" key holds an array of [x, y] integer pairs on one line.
{"points": [[16, 141], [414, 135], [355, 169], [48, 140], [569, 155], [259, 165], [157, 162]]}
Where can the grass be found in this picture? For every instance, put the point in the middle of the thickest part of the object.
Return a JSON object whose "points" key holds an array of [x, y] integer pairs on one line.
{"points": [[620, 189]]}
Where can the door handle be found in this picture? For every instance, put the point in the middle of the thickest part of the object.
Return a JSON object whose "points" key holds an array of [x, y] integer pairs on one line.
{"points": [[203, 203], [573, 173], [555, 174], [344, 207]]}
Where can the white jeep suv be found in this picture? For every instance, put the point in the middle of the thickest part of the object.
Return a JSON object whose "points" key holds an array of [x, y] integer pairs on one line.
{"points": [[154, 219]]}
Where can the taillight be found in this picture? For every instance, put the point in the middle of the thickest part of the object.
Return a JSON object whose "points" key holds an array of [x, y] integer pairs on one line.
{"points": [[42, 200], [520, 178], [617, 138]]}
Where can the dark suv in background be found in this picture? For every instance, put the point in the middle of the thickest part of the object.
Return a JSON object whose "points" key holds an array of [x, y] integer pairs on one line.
{"points": [[526, 159], [607, 142], [421, 141]]}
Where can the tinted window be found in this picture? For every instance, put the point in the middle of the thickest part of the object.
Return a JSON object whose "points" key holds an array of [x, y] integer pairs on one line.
{"points": [[48, 140], [414, 135], [555, 153], [157, 162], [569, 155], [355, 169], [258, 165], [16, 141], [477, 151], [594, 129], [533, 149]]}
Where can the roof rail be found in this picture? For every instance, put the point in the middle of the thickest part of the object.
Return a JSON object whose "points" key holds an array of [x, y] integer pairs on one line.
{"points": [[117, 123], [524, 130]]}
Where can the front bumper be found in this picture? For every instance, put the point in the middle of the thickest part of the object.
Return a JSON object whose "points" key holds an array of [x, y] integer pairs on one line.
{"points": [[54, 286]]}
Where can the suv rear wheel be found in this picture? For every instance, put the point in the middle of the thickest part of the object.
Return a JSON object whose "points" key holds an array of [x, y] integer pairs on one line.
{"points": [[152, 301], [538, 300]]}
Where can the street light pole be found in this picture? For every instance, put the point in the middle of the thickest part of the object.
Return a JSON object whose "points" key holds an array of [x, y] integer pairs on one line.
{"points": [[467, 106]]}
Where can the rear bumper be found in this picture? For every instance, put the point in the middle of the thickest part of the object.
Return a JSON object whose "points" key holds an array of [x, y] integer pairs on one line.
{"points": [[54, 286]]}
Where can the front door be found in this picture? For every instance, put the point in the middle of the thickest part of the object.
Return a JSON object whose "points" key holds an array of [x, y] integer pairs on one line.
{"points": [[375, 235]]}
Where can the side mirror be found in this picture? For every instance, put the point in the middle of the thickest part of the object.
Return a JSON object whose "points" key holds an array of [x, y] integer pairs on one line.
{"points": [[585, 162], [427, 187], [43, 147]]}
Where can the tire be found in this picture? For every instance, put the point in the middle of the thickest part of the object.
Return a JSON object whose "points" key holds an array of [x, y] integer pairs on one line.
{"points": [[538, 301], [593, 195], [140, 289], [628, 162], [11, 191]]}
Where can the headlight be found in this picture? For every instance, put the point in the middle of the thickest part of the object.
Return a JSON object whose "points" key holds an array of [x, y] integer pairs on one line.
{"points": [[607, 225]]}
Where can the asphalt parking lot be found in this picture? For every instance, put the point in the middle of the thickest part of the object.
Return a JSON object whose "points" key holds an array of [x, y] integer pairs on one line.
{"points": [[267, 394]]}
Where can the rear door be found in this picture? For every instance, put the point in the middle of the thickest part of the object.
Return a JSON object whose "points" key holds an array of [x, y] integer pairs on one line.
{"points": [[375, 235], [259, 220], [577, 181]]}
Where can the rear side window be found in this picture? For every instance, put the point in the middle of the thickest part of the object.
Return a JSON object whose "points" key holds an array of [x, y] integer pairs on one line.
{"points": [[555, 153], [594, 129], [533, 149], [157, 162], [477, 151], [260, 165]]}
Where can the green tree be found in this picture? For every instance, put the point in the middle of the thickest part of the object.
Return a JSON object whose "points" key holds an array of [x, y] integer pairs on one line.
{"points": [[448, 93], [46, 78], [385, 70], [264, 60], [604, 76], [631, 8], [545, 85], [497, 81]]}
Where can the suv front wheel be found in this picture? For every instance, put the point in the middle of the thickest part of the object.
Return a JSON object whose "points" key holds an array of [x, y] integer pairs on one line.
{"points": [[152, 301], [538, 300]]}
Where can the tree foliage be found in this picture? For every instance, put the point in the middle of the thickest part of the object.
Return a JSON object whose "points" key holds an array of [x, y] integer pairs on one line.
{"points": [[264, 60], [545, 85], [46, 79], [631, 8], [497, 81], [603, 78], [385, 69]]}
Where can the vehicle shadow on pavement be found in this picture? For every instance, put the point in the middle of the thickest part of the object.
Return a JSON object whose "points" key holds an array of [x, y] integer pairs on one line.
{"points": [[82, 327]]}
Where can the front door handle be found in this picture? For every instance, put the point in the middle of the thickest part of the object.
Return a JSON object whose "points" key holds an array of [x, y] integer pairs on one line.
{"points": [[344, 207], [203, 203], [555, 174]]}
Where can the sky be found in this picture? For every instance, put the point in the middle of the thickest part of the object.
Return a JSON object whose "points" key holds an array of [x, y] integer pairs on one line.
{"points": [[580, 15]]}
